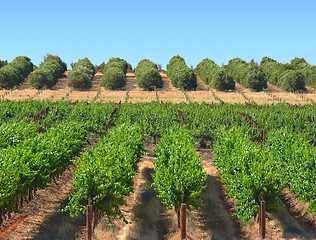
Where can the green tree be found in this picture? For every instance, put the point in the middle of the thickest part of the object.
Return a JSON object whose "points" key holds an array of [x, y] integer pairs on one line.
{"points": [[180, 74], [113, 78], [147, 75], [292, 81]]}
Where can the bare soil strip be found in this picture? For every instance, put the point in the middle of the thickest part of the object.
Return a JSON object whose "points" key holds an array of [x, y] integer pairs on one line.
{"points": [[96, 82], [61, 84], [24, 85], [167, 84], [201, 86], [131, 83]]}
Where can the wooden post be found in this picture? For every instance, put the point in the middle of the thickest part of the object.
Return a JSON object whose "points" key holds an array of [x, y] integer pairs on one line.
{"points": [[89, 219], [259, 216], [183, 229], [263, 219], [29, 195], [21, 202]]}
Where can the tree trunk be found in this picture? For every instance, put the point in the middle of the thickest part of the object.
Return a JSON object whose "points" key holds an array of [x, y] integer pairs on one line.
{"points": [[178, 215]]}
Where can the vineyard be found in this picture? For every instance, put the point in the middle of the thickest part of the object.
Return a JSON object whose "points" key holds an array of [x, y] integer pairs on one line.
{"points": [[134, 164]]}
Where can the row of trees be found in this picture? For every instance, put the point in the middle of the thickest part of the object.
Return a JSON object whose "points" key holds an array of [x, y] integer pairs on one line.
{"points": [[215, 76], [147, 75], [180, 74], [114, 74], [15, 72], [291, 76], [247, 74], [48, 73], [81, 75]]}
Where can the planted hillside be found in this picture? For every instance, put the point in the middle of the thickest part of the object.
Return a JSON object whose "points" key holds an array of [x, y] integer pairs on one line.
{"points": [[48, 72], [248, 75], [180, 74], [81, 75], [114, 74], [15, 72], [214, 76], [147, 75]]}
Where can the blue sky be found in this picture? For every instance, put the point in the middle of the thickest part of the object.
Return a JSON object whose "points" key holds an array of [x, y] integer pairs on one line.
{"points": [[158, 30]]}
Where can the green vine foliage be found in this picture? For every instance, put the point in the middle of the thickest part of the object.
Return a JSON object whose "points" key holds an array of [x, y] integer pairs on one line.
{"points": [[106, 173], [248, 171], [252, 170], [35, 162], [297, 159], [179, 176]]}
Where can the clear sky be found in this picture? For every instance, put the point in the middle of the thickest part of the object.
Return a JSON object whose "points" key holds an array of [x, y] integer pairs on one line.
{"points": [[157, 30]]}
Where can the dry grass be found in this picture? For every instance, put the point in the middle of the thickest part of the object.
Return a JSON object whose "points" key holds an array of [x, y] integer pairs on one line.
{"points": [[167, 94], [260, 98], [229, 97], [82, 95], [141, 96], [200, 96], [112, 96]]}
